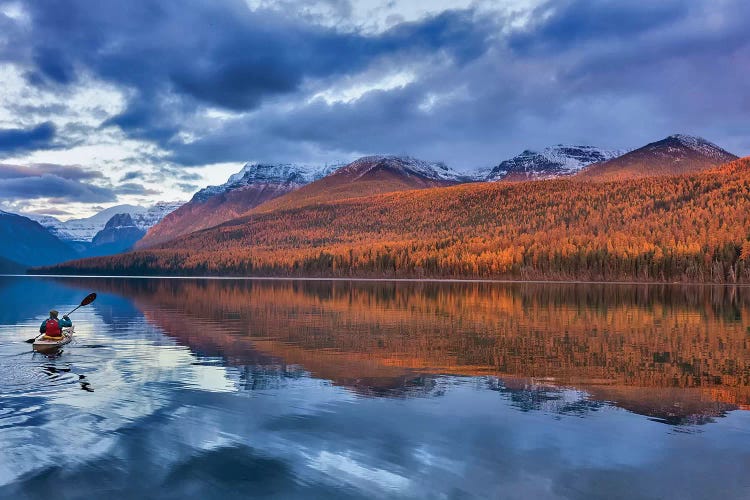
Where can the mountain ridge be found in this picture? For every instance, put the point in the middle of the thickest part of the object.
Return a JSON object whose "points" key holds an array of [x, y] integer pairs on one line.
{"points": [[259, 186], [367, 176], [32, 244], [674, 155], [84, 229], [640, 229], [253, 185], [553, 161]]}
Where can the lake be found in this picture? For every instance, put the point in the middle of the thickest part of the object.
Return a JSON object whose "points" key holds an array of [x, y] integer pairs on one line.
{"points": [[178, 388]]}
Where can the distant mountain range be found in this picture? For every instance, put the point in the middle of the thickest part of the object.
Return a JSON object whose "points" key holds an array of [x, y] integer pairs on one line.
{"points": [[119, 234], [27, 243], [286, 186], [259, 184], [661, 228], [84, 230], [255, 184], [44, 240], [369, 176], [554, 161], [263, 191]]}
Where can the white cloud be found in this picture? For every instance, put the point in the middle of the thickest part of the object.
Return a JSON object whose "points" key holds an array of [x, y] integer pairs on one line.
{"points": [[375, 16], [15, 11], [77, 113], [351, 89]]}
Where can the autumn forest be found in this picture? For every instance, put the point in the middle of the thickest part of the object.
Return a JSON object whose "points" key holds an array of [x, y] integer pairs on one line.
{"points": [[671, 228]]}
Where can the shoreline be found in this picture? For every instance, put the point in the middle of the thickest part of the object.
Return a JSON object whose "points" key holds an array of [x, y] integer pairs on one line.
{"points": [[384, 280]]}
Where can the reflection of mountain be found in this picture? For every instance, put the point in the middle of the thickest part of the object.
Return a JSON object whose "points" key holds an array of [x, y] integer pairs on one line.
{"points": [[668, 352]]}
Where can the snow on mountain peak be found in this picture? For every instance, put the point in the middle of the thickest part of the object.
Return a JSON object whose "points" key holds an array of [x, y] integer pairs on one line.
{"points": [[252, 174], [406, 164], [85, 229], [554, 161], [699, 145]]}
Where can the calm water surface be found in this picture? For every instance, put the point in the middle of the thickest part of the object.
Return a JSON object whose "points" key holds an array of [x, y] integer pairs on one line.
{"points": [[299, 389]]}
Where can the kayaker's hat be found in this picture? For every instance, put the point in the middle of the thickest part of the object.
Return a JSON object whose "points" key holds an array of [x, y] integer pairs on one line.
{"points": [[53, 313]]}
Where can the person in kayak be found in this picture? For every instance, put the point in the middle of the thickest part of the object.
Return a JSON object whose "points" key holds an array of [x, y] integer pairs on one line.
{"points": [[52, 327]]}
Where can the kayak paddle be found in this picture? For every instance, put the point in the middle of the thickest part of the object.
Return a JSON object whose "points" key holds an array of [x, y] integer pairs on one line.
{"points": [[86, 301]]}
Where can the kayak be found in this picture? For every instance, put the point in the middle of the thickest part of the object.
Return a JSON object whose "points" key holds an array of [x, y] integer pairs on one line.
{"points": [[42, 344]]}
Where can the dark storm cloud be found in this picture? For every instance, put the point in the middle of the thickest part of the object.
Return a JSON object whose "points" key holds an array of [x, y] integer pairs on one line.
{"points": [[64, 183], [70, 172], [174, 56], [18, 140], [563, 24], [614, 73], [52, 64], [49, 186]]}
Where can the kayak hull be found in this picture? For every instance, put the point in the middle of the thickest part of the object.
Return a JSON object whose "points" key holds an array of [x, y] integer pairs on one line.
{"points": [[42, 344]]}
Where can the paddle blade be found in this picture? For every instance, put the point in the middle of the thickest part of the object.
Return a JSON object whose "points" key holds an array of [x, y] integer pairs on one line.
{"points": [[88, 300]]}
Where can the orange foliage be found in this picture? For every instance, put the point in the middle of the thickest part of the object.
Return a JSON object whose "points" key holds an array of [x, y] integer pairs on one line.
{"points": [[688, 228], [602, 338]]}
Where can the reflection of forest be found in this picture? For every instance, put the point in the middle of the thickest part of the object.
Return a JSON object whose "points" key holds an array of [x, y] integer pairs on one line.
{"points": [[676, 348]]}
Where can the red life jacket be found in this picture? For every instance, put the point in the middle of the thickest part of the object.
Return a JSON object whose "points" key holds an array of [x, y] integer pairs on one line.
{"points": [[53, 328]]}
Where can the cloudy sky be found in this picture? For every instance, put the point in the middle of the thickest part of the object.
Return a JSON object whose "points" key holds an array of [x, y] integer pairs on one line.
{"points": [[108, 102]]}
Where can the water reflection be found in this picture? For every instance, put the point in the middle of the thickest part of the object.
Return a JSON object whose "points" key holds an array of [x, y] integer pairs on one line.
{"points": [[230, 389], [664, 351]]}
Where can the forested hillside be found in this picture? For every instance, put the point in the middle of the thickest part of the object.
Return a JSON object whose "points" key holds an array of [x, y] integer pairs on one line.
{"points": [[673, 228]]}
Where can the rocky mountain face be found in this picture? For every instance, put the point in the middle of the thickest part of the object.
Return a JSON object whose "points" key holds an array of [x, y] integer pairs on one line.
{"points": [[255, 184], [82, 231], [271, 175], [551, 162], [674, 155], [400, 165], [27, 243], [369, 176], [147, 219], [119, 234]]}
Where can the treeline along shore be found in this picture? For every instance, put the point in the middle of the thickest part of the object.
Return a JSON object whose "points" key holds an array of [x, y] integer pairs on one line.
{"points": [[687, 228]]}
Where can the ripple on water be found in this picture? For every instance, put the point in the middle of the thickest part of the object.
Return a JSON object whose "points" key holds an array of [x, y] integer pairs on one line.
{"points": [[33, 377]]}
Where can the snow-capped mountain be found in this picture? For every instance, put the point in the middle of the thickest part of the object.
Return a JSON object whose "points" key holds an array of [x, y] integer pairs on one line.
{"points": [[119, 234], [261, 174], [118, 226], [674, 155], [255, 184], [154, 214], [405, 165], [554, 161], [84, 230], [369, 176], [698, 145]]}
